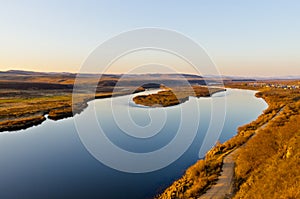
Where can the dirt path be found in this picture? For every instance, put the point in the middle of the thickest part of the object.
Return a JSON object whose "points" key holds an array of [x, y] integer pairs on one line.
{"points": [[224, 186]]}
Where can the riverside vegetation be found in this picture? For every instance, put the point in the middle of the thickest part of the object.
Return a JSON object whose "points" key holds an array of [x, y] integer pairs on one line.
{"points": [[266, 167]]}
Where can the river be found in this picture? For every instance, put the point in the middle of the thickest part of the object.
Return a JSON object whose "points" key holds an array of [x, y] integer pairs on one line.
{"points": [[50, 161]]}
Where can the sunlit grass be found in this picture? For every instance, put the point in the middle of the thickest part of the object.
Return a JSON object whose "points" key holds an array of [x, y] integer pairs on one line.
{"points": [[263, 163]]}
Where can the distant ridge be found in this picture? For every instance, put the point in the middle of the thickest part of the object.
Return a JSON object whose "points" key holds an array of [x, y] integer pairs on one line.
{"points": [[231, 77], [24, 72], [155, 75]]}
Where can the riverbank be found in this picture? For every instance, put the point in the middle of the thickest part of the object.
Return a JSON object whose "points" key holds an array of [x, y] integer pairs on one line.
{"points": [[23, 109], [200, 177]]}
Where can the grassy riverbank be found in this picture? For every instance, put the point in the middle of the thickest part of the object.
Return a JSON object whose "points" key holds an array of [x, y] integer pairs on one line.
{"points": [[257, 161]]}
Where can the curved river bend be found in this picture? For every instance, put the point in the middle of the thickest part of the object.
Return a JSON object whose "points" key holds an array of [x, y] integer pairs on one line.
{"points": [[49, 160]]}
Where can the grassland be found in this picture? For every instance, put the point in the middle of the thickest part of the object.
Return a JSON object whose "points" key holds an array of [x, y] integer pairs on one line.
{"points": [[266, 167]]}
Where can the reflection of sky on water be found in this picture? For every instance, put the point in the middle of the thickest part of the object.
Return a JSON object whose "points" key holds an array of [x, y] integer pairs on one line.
{"points": [[49, 161]]}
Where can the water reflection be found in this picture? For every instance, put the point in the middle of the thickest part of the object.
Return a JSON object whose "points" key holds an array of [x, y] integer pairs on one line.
{"points": [[49, 160]]}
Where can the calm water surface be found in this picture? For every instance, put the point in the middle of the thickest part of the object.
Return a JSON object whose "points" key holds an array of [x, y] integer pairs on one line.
{"points": [[49, 160]]}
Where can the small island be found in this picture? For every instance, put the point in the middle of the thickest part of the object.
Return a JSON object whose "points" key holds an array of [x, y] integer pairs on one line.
{"points": [[176, 95]]}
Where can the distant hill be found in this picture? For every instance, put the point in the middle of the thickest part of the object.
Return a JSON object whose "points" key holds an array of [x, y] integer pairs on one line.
{"points": [[23, 72], [154, 75], [193, 78], [247, 78]]}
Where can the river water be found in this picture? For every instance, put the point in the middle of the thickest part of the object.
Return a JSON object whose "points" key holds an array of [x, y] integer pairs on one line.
{"points": [[51, 161]]}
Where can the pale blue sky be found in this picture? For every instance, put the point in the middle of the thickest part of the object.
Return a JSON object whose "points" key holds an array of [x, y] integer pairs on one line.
{"points": [[243, 37]]}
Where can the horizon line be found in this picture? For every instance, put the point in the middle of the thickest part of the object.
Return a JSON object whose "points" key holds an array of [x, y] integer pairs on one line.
{"points": [[183, 73]]}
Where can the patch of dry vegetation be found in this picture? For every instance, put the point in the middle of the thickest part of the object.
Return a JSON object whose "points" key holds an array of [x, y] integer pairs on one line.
{"points": [[20, 123], [28, 110]]}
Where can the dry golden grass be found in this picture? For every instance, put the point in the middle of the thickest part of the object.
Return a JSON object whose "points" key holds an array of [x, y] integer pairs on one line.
{"points": [[268, 166], [283, 115]]}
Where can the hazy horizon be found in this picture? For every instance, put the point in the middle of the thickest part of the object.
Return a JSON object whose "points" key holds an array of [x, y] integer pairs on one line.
{"points": [[242, 38], [208, 75]]}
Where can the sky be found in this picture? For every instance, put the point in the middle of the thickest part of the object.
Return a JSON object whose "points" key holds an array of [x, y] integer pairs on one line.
{"points": [[244, 38]]}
